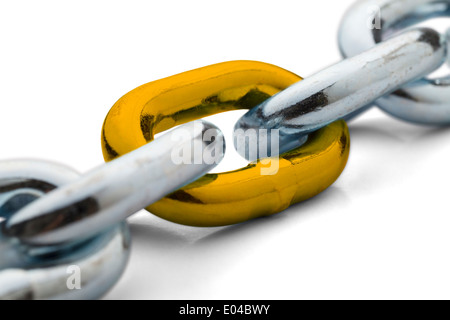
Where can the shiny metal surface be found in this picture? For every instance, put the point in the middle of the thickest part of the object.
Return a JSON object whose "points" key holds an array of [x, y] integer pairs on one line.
{"points": [[100, 261], [42, 272], [344, 88], [114, 191], [426, 101], [52, 220], [261, 188], [22, 181]]}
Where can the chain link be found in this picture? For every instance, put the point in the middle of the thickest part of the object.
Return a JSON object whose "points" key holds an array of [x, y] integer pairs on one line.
{"points": [[40, 272], [425, 101], [51, 218], [260, 189], [114, 191], [345, 88]]}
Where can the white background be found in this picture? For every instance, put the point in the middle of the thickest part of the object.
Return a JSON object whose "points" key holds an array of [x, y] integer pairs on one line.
{"points": [[381, 231]]}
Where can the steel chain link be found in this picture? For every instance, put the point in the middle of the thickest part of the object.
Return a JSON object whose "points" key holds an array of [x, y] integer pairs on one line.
{"points": [[52, 218]]}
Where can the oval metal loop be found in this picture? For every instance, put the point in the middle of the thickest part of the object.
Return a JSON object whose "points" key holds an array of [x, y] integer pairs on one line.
{"points": [[99, 262], [240, 195], [29, 272], [344, 88], [22, 181], [369, 22], [112, 192]]}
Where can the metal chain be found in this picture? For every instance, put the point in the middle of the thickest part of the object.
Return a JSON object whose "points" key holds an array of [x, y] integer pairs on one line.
{"points": [[345, 88], [53, 219], [424, 101], [40, 272]]}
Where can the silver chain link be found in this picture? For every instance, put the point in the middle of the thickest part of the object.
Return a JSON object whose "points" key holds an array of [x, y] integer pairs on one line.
{"points": [[390, 74], [52, 218]]}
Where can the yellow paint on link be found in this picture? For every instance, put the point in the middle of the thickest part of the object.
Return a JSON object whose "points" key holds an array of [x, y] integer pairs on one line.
{"points": [[236, 196]]}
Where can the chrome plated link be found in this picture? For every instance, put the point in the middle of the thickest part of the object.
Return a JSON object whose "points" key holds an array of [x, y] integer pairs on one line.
{"points": [[341, 90], [41, 272], [52, 219], [115, 190], [100, 261], [426, 101]]}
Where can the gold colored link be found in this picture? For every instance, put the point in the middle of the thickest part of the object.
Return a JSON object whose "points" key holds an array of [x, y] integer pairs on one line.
{"points": [[236, 196]]}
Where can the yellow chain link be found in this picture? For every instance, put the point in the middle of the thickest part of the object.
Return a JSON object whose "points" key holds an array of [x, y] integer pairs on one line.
{"points": [[236, 196]]}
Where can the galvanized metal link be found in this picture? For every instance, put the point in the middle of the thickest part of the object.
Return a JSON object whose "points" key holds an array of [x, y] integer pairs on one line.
{"points": [[368, 22], [41, 272], [344, 88], [100, 262], [53, 219], [114, 191]]}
